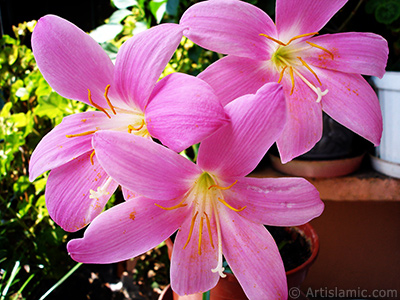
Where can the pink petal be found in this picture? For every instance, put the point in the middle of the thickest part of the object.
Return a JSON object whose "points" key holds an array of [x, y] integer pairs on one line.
{"points": [[303, 128], [141, 60], [125, 231], [55, 149], [353, 103], [190, 272], [128, 195], [254, 258], [68, 192], [232, 76], [229, 27], [143, 166], [295, 17], [276, 201], [183, 111], [70, 60], [256, 122], [353, 52]]}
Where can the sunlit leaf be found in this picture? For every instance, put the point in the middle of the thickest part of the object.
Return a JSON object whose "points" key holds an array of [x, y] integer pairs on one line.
{"points": [[106, 32], [124, 3], [158, 9], [119, 15]]}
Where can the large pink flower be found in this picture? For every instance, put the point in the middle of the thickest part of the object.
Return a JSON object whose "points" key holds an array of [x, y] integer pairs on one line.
{"points": [[179, 110], [317, 72], [215, 208]]}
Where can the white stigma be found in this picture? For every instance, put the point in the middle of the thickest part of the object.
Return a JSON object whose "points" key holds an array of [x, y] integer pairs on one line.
{"points": [[219, 268], [101, 190]]}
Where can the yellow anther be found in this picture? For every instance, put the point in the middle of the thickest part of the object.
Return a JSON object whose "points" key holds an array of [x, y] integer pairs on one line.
{"points": [[281, 74], [209, 230], [221, 187], [191, 230], [95, 105], [91, 158], [300, 36], [131, 128], [292, 79], [172, 207], [108, 100], [80, 134], [273, 39], [230, 207], [200, 234], [322, 48], [309, 69]]}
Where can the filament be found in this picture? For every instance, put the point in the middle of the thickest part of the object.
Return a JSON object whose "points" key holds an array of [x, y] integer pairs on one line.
{"points": [[108, 100], [281, 74], [80, 134], [209, 229], [322, 48], [91, 157], [219, 268], [272, 39], [179, 205], [300, 36], [309, 69], [191, 229], [200, 234], [97, 106], [221, 187], [230, 207], [292, 79]]}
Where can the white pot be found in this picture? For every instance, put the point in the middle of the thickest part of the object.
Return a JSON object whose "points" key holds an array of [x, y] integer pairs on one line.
{"points": [[389, 97]]}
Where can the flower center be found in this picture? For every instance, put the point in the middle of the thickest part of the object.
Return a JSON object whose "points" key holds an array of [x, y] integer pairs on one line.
{"points": [[204, 197], [288, 61]]}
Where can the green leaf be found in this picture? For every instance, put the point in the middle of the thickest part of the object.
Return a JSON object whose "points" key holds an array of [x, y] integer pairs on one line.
{"points": [[40, 185], [21, 184], [172, 7], [158, 9], [19, 120], [5, 111], [22, 93], [106, 32], [124, 3], [118, 16], [387, 12]]}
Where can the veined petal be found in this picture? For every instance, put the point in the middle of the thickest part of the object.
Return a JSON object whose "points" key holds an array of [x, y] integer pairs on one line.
{"points": [[141, 60], [353, 52], [303, 128], [276, 201], [125, 231], [256, 122], [56, 149], [353, 103], [128, 195], [143, 166], [70, 60], [254, 258], [233, 76], [296, 17], [68, 196], [190, 272], [229, 27], [183, 111]]}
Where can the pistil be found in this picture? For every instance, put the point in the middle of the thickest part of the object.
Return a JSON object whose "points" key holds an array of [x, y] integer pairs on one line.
{"points": [[101, 191]]}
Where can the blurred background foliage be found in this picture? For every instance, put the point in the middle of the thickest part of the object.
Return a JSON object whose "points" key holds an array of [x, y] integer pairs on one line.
{"points": [[33, 256]]}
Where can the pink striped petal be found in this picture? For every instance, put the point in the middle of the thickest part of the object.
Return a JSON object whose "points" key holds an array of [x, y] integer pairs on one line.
{"points": [[56, 149], [125, 231], [353, 52], [254, 258], [256, 123], [353, 103], [68, 197], [229, 27], [295, 17], [232, 76], [190, 272], [276, 201], [303, 128], [70, 60], [183, 111], [141, 60], [143, 166]]}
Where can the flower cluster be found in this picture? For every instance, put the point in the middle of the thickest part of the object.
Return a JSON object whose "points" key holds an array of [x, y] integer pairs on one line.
{"points": [[271, 87]]}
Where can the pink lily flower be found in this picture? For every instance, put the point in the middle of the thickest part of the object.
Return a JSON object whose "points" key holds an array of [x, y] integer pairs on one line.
{"points": [[215, 208], [179, 110], [317, 72]]}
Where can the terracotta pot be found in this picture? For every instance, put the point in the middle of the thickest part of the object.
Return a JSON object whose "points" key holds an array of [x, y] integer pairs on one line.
{"points": [[229, 287]]}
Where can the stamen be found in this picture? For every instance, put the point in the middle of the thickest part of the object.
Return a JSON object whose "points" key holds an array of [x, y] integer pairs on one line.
{"points": [[101, 191], [281, 74], [221, 187], [80, 134], [209, 229], [316, 90], [131, 128], [309, 69], [179, 205], [91, 157], [200, 234], [97, 106], [272, 39], [191, 229], [322, 48], [292, 79], [219, 268], [300, 36], [230, 207], [108, 100]]}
